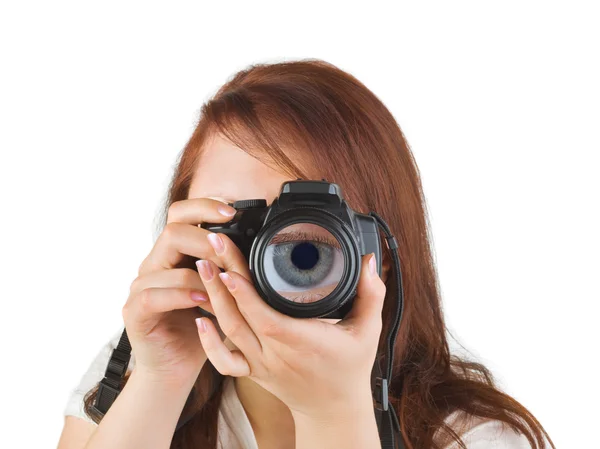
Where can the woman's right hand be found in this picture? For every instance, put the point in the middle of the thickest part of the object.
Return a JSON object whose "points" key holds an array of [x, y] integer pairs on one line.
{"points": [[162, 305]]}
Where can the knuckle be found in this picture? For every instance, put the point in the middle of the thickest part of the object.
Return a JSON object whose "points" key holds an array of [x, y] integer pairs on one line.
{"points": [[134, 287], [173, 212], [255, 371], [234, 330], [271, 330], [169, 231], [125, 311], [145, 297], [187, 277], [142, 267]]}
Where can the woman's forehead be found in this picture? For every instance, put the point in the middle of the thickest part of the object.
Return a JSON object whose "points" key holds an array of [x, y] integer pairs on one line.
{"points": [[228, 173]]}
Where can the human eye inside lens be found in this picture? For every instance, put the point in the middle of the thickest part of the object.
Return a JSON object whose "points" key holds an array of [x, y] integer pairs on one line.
{"points": [[304, 262]]}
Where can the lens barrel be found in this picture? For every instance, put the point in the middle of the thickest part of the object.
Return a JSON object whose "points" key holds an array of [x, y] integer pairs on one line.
{"points": [[346, 287]]}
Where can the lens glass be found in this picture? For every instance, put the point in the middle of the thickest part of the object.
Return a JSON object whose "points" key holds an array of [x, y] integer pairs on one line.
{"points": [[303, 262]]}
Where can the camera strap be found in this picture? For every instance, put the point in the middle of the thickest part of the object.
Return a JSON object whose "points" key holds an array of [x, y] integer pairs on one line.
{"points": [[110, 387], [387, 420], [112, 383]]}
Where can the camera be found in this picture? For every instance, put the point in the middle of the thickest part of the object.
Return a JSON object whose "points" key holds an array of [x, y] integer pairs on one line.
{"points": [[304, 250]]}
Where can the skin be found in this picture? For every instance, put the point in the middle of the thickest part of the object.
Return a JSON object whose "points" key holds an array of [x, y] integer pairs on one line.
{"points": [[275, 359]]}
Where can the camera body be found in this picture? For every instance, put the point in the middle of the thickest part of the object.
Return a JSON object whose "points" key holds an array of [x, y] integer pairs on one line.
{"points": [[314, 205]]}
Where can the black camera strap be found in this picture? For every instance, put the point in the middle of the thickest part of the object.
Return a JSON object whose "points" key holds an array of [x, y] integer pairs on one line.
{"points": [[387, 420], [112, 384], [110, 387]]}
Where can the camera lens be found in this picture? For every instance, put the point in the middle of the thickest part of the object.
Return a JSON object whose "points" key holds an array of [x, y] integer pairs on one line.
{"points": [[303, 262]]}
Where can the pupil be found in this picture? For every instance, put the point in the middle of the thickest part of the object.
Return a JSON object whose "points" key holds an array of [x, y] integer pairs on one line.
{"points": [[305, 256]]}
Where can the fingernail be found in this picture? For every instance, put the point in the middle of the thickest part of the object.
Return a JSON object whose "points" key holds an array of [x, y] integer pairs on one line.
{"points": [[372, 266], [204, 269], [216, 242], [226, 210], [201, 325], [227, 280], [198, 296]]}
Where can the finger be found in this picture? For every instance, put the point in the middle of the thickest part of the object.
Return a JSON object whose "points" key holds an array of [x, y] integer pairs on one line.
{"points": [[182, 236], [182, 278], [365, 315], [175, 278], [199, 210], [227, 362], [262, 318], [175, 242], [230, 320], [150, 303], [230, 256]]}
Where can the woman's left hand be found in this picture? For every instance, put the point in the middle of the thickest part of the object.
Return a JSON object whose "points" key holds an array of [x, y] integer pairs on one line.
{"points": [[318, 369]]}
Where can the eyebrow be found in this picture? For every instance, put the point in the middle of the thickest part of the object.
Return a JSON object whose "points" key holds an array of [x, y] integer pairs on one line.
{"points": [[300, 236]]}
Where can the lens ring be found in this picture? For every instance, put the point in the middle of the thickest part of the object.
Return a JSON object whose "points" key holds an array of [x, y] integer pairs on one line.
{"points": [[350, 250]]}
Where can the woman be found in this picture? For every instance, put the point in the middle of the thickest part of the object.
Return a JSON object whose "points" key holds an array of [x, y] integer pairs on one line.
{"points": [[274, 381]]}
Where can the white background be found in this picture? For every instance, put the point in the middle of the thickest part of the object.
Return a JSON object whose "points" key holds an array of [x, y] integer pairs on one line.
{"points": [[500, 104]]}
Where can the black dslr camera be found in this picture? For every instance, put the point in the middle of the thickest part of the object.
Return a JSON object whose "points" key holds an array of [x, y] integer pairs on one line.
{"points": [[304, 251]]}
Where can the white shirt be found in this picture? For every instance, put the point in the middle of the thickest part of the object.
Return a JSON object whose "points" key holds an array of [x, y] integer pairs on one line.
{"points": [[235, 431]]}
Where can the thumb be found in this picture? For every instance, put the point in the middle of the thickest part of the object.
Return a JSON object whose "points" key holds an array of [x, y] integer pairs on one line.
{"points": [[365, 315]]}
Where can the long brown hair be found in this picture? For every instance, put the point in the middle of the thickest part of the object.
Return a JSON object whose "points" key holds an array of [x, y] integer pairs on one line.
{"points": [[312, 111]]}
